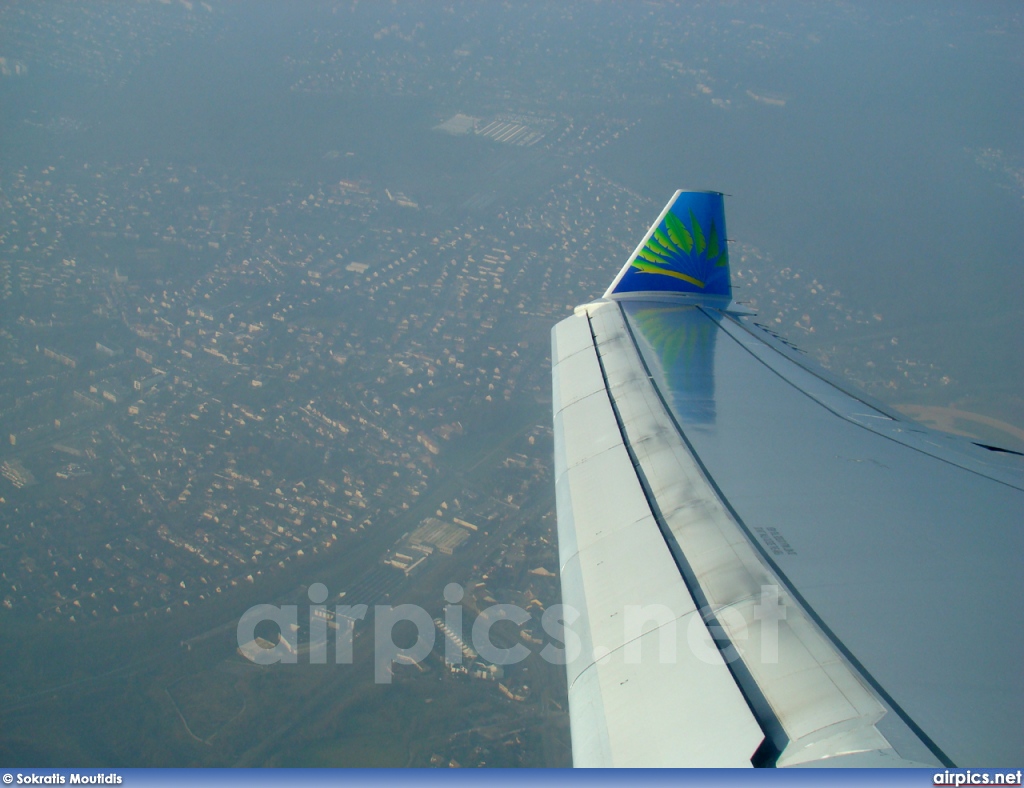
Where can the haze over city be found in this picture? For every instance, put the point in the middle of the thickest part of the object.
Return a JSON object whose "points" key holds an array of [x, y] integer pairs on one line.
{"points": [[277, 282]]}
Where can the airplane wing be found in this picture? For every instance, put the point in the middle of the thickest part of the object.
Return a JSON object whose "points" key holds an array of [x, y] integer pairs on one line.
{"points": [[759, 566]]}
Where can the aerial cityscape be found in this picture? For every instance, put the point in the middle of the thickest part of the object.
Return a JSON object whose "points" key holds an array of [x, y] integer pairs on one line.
{"points": [[276, 288]]}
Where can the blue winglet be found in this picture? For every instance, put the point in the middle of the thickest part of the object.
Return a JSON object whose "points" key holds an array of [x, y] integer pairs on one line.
{"points": [[685, 251]]}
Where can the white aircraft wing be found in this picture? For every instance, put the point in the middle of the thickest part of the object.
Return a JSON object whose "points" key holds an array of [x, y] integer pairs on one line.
{"points": [[768, 569]]}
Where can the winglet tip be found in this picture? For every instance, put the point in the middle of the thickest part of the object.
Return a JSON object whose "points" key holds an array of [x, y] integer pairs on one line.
{"points": [[684, 251]]}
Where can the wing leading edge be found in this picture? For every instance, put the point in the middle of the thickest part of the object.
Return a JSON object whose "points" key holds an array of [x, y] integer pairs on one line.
{"points": [[767, 569]]}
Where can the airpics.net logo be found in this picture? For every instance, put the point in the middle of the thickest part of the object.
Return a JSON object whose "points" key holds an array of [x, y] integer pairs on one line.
{"points": [[280, 634], [974, 777]]}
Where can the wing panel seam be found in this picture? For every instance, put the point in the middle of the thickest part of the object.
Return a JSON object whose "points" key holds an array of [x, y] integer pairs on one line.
{"points": [[751, 693]]}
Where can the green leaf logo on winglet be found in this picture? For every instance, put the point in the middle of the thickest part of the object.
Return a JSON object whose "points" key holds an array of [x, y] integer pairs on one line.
{"points": [[681, 252]]}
